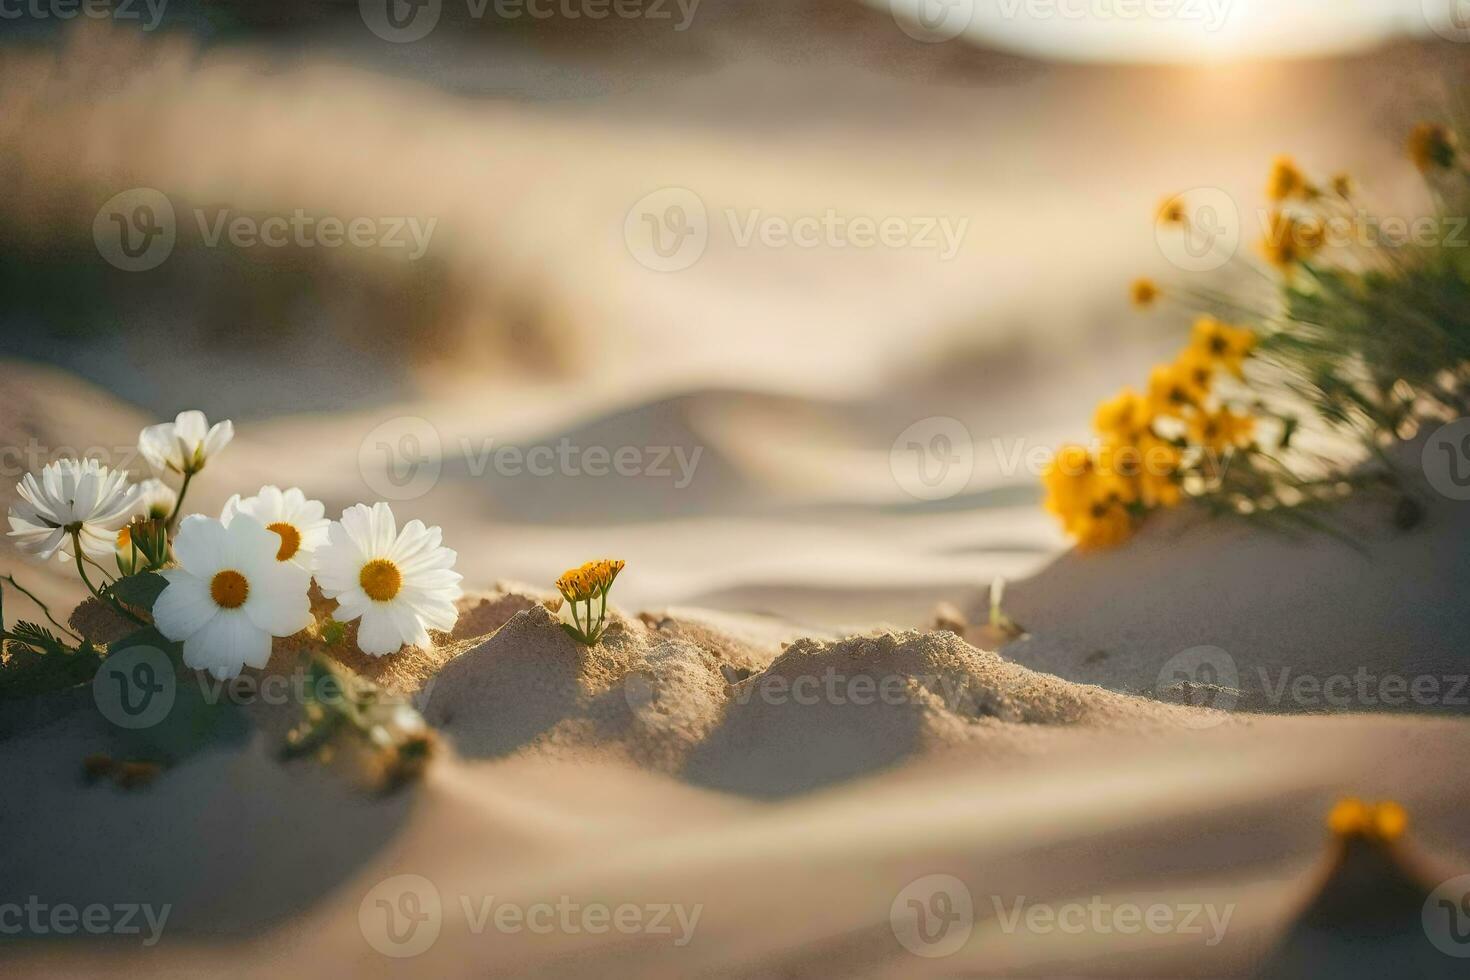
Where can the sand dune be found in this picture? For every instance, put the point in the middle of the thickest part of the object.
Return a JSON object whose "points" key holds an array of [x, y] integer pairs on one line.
{"points": [[1391, 619]]}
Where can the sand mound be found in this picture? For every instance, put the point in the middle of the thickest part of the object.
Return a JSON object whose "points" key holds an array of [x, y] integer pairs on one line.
{"points": [[482, 613], [1367, 918], [1394, 615], [683, 697], [825, 711], [532, 683]]}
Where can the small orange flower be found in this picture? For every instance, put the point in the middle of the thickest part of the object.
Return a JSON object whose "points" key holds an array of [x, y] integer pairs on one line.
{"points": [[1124, 417], [1287, 182], [1432, 147], [1289, 240], [1385, 820], [1144, 293], [1221, 430], [1171, 211], [1226, 346]]}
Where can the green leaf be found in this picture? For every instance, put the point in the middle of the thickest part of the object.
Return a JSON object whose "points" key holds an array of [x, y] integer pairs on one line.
{"points": [[140, 590], [38, 662]]}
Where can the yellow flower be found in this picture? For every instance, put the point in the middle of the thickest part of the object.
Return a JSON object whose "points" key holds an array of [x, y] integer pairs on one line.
{"points": [[1225, 346], [1069, 480], [576, 585], [1290, 240], [1172, 391], [1286, 181], [1432, 147], [1104, 524], [585, 583], [1221, 430], [1144, 292], [1198, 370], [1123, 417], [1171, 211], [590, 580], [604, 571], [1351, 817], [1158, 480]]}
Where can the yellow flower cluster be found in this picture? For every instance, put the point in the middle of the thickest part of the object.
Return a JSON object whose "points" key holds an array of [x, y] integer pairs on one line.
{"points": [[1384, 820], [590, 580], [1146, 439]]}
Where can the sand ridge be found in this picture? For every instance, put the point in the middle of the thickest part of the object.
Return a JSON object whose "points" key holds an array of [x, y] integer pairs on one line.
{"points": [[687, 699]]}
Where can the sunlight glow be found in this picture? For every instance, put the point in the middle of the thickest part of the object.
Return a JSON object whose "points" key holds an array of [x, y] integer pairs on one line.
{"points": [[1169, 30]]}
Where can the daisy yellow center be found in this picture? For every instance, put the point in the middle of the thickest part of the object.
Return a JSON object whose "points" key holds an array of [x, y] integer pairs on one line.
{"points": [[228, 589], [290, 540], [380, 579], [124, 538]]}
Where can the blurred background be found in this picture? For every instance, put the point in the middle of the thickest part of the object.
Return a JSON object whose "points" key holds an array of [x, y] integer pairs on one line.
{"points": [[820, 275]]}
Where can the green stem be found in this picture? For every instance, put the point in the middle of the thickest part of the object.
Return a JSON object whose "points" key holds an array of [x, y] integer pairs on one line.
{"points": [[76, 544], [168, 525], [44, 611]]}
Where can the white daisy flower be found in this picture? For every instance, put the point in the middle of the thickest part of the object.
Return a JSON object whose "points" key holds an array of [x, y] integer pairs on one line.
{"points": [[185, 444], [155, 499], [229, 596], [71, 496], [401, 584], [300, 523]]}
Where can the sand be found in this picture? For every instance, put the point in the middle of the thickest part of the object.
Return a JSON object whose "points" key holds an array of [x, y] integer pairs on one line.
{"points": [[680, 763]]}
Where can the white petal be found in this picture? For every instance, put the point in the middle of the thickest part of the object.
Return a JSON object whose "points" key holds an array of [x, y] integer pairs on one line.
{"points": [[278, 602], [377, 634], [357, 524], [248, 547], [351, 604], [408, 624], [219, 437], [200, 545], [231, 508], [228, 642], [184, 607]]}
